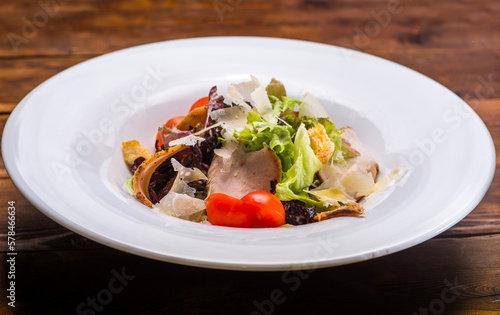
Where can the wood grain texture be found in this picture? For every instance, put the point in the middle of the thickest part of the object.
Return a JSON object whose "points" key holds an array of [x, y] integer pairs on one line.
{"points": [[471, 75], [397, 284], [95, 27], [456, 43]]}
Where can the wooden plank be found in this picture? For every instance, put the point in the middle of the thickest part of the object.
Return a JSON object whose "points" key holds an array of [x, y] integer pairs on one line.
{"points": [[471, 75], [443, 273], [462, 73], [6, 108], [96, 27], [19, 77], [3, 120]]}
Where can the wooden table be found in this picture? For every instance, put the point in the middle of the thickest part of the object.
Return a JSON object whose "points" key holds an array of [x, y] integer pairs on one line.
{"points": [[456, 43]]}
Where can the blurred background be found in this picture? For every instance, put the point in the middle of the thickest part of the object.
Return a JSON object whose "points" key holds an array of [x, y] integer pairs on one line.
{"points": [[456, 43]]}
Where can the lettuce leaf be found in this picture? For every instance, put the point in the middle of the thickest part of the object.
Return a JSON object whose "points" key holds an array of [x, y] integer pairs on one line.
{"points": [[342, 150], [301, 175], [290, 141], [277, 137], [284, 104]]}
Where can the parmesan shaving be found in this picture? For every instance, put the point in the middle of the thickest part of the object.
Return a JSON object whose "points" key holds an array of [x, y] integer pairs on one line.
{"points": [[386, 186], [187, 174], [229, 152], [254, 93], [228, 147], [331, 175], [190, 140], [391, 179], [231, 118], [234, 97], [330, 196], [357, 181], [180, 205], [311, 107], [245, 88], [261, 102], [180, 201], [193, 138]]}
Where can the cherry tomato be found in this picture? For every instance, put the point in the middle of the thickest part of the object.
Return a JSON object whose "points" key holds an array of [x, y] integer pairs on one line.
{"points": [[199, 103], [173, 121], [225, 210], [267, 208]]}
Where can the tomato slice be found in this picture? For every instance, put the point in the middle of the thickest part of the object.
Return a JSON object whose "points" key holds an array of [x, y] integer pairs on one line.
{"points": [[199, 103], [173, 121], [225, 210], [267, 207]]}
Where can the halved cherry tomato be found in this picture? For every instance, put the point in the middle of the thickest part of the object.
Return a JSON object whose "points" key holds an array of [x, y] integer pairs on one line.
{"points": [[267, 208], [173, 121], [199, 103], [225, 210], [258, 208]]}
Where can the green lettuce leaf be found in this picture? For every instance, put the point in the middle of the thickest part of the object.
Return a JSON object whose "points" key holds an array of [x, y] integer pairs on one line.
{"points": [[130, 184], [342, 150], [301, 175], [277, 137], [283, 104]]}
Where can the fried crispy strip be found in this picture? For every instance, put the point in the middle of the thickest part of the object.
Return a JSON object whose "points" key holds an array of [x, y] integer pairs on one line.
{"points": [[195, 117], [142, 175], [132, 150], [352, 209]]}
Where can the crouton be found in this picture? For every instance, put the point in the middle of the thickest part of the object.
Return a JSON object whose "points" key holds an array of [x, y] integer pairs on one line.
{"points": [[132, 150], [321, 144]]}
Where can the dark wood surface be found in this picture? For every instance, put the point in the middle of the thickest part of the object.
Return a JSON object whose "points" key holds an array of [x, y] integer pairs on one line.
{"points": [[456, 43]]}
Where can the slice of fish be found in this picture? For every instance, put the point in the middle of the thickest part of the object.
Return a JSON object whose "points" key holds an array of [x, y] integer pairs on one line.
{"points": [[243, 172]]}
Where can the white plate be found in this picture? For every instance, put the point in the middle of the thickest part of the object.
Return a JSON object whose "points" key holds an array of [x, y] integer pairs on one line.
{"points": [[62, 148]]}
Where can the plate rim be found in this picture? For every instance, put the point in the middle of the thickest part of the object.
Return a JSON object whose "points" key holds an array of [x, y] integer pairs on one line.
{"points": [[34, 199]]}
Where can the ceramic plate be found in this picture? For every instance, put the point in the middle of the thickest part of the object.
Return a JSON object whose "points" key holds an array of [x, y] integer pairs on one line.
{"points": [[62, 148]]}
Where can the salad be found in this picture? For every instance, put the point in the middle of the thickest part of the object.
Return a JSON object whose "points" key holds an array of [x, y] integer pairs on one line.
{"points": [[253, 157]]}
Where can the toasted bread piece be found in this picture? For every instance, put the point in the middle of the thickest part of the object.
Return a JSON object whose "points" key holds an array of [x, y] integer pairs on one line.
{"points": [[352, 209], [132, 150], [321, 144], [197, 116]]}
